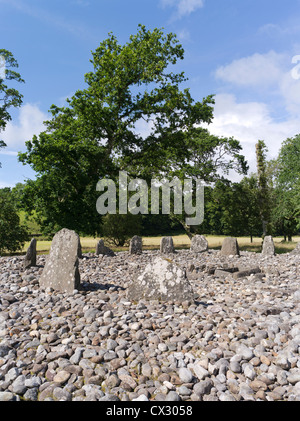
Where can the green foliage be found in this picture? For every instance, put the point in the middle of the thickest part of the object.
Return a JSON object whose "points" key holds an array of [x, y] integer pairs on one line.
{"points": [[263, 188], [9, 96], [95, 136], [286, 212], [12, 234], [120, 228], [232, 208]]}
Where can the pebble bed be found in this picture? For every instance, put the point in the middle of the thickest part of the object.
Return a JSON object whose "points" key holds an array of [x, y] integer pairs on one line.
{"points": [[239, 340]]}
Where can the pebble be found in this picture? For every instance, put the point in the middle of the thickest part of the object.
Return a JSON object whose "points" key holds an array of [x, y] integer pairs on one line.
{"points": [[239, 340]]}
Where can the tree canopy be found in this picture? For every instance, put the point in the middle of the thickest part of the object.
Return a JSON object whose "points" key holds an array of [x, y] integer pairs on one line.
{"points": [[9, 96], [96, 135]]}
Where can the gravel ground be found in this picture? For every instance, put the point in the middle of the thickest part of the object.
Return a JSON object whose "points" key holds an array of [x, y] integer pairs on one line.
{"points": [[239, 340]]}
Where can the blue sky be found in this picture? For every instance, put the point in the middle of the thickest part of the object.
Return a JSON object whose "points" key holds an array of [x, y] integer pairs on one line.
{"points": [[241, 51]]}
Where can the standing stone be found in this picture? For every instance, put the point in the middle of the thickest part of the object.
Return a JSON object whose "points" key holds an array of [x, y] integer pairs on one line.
{"points": [[30, 257], [268, 248], [102, 249], [61, 269], [167, 245], [199, 244], [161, 280], [230, 246], [136, 245], [296, 250], [79, 252]]}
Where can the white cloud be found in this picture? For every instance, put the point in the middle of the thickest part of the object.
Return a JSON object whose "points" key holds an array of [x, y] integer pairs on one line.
{"points": [[184, 35], [256, 70], [249, 122], [29, 122], [183, 7], [270, 73]]}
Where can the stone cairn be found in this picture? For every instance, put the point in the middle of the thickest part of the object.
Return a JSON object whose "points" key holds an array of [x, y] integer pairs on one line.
{"points": [[61, 269], [167, 245], [268, 248], [30, 257], [136, 245]]}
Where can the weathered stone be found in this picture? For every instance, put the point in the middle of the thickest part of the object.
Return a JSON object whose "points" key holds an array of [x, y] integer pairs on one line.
{"points": [[220, 273], [161, 280], [167, 245], [296, 249], [230, 247], [30, 257], [61, 269], [136, 245], [246, 272], [199, 244], [102, 249], [268, 248]]}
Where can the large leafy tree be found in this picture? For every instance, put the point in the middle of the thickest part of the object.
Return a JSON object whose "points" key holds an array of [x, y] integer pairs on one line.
{"points": [[286, 212], [264, 194], [9, 96], [97, 134], [233, 208]]}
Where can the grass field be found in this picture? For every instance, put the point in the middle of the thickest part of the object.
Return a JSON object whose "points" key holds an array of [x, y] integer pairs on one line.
{"points": [[180, 241]]}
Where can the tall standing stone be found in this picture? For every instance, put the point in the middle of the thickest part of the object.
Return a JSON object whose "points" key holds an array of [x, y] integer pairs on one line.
{"points": [[199, 244], [30, 257], [136, 245], [61, 270], [268, 248], [230, 247], [161, 280], [167, 245]]}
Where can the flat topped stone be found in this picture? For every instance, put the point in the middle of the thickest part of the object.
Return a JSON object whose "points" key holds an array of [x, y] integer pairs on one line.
{"points": [[230, 246], [199, 244], [167, 245], [61, 269], [30, 257], [268, 248], [161, 280], [136, 245]]}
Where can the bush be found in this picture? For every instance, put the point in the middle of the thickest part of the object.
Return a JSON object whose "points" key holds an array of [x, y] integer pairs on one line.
{"points": [[12, 234], [120, 228]]}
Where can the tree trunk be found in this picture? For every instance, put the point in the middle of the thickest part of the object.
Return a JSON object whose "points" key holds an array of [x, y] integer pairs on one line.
{"points": [[186, 228]]}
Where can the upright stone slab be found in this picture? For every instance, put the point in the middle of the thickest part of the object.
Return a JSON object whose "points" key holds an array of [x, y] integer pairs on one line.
{"points": [[30, 257], [136, 245], [296, 250], [61, 269], [167, 245], [102, 249], [161, 280], [268, 248], [230, 246], [199, 244]]}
